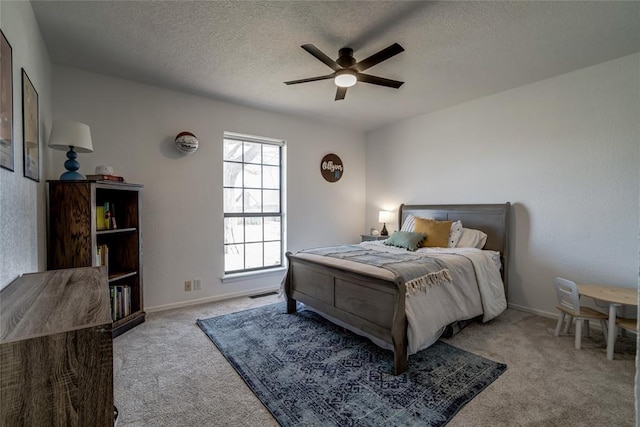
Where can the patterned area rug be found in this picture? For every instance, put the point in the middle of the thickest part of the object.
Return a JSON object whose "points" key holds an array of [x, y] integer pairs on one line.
{"points": [[308, 371]]}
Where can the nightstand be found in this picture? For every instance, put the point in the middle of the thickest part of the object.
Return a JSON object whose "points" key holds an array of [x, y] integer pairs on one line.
{"points": [[369, 237]]}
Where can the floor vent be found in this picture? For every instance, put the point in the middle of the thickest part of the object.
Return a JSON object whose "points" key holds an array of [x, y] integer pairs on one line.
{"points": [[263, 295]]}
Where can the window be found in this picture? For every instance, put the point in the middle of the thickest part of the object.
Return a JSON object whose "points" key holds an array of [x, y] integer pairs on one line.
{"points": [[253, 218]]}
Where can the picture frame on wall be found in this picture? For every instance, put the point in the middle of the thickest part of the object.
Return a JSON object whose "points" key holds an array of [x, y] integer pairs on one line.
{"points": [[6, 104], [30, 129]]}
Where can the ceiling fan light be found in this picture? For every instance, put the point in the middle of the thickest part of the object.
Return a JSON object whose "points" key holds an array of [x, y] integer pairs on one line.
{"points": [[345, 78]]}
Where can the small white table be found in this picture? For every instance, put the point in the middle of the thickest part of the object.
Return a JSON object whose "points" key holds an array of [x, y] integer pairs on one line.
{"points": [[616, 297]]}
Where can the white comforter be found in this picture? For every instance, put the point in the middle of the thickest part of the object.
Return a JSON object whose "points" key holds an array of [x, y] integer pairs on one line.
{"points": [[476, 289]]}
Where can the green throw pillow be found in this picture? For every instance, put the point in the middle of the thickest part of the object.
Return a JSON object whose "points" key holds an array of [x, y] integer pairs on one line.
{"points": [[406, 239]]}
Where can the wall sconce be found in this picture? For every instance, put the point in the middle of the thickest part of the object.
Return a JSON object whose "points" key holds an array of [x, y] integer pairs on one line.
{"points": [[384, 217], [186, 142]]}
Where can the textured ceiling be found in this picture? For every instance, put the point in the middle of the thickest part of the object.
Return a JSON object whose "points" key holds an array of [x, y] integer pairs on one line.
{"points": [[243, 51]]}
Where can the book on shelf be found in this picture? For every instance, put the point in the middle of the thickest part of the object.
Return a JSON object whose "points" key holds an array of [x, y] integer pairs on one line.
{"points": [[114, 305], [127, 300], [106, 217], [99, 177], [100, 225], [120, 301], [102, 256]]}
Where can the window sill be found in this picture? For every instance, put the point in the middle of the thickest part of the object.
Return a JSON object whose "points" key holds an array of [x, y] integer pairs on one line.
{"points": [[236, 277]]}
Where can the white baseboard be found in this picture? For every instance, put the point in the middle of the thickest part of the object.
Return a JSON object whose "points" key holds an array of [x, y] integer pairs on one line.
{"points": [[594, 325], [534, 311], [212, 299]]}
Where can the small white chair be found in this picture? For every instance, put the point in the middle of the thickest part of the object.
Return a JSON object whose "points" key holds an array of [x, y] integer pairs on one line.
{"points": [[628, 324], [569, 305]]}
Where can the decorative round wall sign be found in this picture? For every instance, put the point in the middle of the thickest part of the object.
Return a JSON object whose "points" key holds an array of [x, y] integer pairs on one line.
{"points": [[186, 142], [331, 168]]}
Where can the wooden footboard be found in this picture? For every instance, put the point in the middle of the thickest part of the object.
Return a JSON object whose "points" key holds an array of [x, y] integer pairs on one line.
{"points": [[372, 305]]}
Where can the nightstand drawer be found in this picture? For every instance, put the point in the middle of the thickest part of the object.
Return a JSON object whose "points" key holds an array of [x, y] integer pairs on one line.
{"points": [[369, 237]]}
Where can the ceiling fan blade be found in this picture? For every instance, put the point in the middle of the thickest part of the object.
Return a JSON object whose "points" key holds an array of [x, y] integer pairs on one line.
{"points": [[366, 78], [321, 56], [340, 93], [310, 79], [377, 58]]}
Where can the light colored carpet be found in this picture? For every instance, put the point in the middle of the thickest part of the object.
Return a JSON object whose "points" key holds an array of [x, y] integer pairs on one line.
{"points": [[168, 373]]}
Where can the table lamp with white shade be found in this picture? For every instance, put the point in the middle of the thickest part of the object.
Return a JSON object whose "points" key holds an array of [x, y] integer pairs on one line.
{"points": [[384, 217], [74, 137]]}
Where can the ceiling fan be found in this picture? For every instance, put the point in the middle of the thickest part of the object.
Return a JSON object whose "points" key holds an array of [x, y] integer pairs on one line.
{"points": [[347, 71]]}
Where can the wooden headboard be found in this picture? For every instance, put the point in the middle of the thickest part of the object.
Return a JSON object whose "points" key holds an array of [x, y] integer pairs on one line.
{"points": [[492, 219]]}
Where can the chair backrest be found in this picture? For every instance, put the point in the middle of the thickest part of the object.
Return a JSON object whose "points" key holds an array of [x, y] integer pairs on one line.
{"points": [[567, 293]]}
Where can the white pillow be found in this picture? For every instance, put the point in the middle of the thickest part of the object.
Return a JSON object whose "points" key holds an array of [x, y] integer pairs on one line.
{"points": [[455, 233], [471, 238], [409, 225]]}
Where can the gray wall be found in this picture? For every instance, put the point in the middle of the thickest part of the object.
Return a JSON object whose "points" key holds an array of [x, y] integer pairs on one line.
{"points": [[22, 201], [133, 127], [564, 151]]}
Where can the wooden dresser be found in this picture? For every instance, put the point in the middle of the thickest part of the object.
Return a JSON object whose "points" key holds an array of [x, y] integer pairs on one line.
{"points": [[56, 349]]}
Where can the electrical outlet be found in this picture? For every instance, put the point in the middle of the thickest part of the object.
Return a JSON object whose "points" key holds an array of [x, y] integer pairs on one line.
{"points": [[187, 286], [197, 284]]}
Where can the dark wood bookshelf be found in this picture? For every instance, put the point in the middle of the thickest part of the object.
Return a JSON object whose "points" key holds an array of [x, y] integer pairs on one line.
{"points": [[74, 236]]}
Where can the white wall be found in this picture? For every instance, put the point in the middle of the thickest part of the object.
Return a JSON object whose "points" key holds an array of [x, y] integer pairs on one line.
{"points": [[133, 127], [564, 151], [22, 200]]}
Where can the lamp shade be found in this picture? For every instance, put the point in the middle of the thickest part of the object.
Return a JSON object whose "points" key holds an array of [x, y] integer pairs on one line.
{"points": [[67, 134], [75, 137], [385, 216]]}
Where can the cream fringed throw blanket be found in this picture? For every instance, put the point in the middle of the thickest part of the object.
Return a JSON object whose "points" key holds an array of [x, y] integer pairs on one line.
{"points": [[417, 272]]}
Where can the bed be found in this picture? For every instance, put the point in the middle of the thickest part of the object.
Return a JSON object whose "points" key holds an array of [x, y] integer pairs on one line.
{"points": [[374, 304]]}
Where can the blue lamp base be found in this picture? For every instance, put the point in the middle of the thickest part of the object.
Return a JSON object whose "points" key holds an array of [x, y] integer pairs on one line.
{"points": [[72, 176], [72, 166]]}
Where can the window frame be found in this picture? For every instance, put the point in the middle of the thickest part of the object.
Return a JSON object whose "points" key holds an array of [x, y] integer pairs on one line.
{"points": [[262, 214]]}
